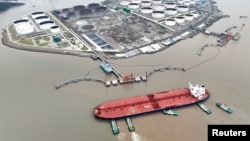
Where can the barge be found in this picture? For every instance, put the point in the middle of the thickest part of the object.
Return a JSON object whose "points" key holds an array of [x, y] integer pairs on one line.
{"points": [[137, 105]]}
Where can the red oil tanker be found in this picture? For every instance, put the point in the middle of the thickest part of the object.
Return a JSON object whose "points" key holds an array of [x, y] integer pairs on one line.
{"points": [[137, 105]]}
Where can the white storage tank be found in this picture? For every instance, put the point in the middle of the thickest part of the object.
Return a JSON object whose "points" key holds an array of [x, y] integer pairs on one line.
{"points": [[46, 25], [170, 4], [180, 19], [37, 14], [189, 17], [195, 14], [181, 1], [124, 3], [146, 10], [171, 11], [145, 3], [170, 22], [158, 14], [55, 29], [160, 7], [182, 8], [136, 1], [133, 6], [23, 26], [192, 2], [156, 2]]}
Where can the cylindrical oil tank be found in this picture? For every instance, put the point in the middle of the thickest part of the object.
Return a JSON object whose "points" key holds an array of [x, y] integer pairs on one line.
{"points": [[133, 5], [192, 2], [170, 22], [145, 3], [41, 19], [189, 17], [85, 11], [146, 10], [170, 4], [37, 14], [171, 11], [160, 7], [136, 1], [181, 1], [78, 7], [124, 3], [46, 25], [182, 8], [195, 14], [55, 29], [23, 26], [93, 5], [158, 14], [180, 19], [101, 9], [156, 2]]}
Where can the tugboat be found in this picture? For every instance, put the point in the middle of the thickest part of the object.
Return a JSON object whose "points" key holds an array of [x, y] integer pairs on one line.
{"points": [[204, 108], [170, 112], [224, 107], [130, 124], [114, 126]]}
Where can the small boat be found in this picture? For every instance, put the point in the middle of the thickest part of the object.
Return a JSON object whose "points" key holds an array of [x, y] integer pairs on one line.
{"points": [[224, 107], [170, 112], [204, 108]]}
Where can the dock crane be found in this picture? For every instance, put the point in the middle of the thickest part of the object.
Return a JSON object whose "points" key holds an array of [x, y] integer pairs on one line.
{"points": [[236, 37]]}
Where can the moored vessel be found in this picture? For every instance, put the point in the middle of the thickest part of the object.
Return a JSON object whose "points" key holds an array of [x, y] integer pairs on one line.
{"points": [[204, 108], [142, 104], [114, 127], [170, 112], [224, 107]]}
